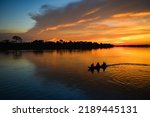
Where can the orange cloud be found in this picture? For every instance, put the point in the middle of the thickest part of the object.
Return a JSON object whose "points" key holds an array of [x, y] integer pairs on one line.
{"points": [[68, 25], [127, 15], [91, 12], [124, 28], [127, 28]]}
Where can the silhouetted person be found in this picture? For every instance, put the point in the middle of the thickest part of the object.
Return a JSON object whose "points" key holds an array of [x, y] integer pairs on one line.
{"points": [[103, 66], [91, 68], [92, 65], [97, 65]]}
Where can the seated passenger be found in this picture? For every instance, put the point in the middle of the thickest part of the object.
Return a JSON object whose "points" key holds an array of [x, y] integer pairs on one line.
{"points": [[104, 64], [98, 65], [92, 65]]}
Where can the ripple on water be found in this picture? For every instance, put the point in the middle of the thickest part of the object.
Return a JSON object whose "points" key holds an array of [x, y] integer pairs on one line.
{"points": [[129, 75]]}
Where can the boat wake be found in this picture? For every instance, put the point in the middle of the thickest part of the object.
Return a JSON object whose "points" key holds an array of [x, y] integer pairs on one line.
{"points": [[136, 64]]}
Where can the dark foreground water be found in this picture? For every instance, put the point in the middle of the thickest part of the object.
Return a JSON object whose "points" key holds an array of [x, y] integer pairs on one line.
{"points": [[64, 74]]}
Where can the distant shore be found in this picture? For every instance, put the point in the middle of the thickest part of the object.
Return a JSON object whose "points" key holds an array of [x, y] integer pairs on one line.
{"points": [[17, 44], [48, 45], [140, 45]]}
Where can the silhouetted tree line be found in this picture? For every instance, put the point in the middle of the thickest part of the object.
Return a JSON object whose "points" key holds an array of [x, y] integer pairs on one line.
{"points": [[17, 44]]}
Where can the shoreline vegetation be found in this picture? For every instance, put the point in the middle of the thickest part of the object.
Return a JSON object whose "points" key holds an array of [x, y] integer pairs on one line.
{"points": [[16, 43]]}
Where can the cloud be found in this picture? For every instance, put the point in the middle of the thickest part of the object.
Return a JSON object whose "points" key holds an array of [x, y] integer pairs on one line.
{"points": [[92, 17], [66, 15], [91, 20], [87, 8], [91, 12], [68, 24], [127, 15]]}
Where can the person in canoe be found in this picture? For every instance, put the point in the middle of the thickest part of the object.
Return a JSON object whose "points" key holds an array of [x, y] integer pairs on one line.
{"points": [[91, 68], [92, 65], [103, 66], [97, 65]]}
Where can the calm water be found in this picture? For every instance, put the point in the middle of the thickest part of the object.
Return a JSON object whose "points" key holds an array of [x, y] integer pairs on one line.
{"points": [[65, 75]]}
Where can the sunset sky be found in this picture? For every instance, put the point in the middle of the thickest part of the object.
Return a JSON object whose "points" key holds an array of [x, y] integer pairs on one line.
{"points": [[106, 21]]}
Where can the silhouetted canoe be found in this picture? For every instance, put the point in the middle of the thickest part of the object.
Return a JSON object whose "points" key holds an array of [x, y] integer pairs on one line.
{"points": [[103, 66], [92, 68]]}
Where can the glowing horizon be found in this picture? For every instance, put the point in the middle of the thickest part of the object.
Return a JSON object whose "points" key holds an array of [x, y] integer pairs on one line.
{"points": [[126, 28]]}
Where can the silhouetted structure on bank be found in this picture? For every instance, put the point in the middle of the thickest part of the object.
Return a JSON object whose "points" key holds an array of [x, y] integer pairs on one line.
{"points": [[41, 45]]}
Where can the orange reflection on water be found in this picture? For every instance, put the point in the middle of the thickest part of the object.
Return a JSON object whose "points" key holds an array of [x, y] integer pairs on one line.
{"points": [[66, 65], [114, 55]]}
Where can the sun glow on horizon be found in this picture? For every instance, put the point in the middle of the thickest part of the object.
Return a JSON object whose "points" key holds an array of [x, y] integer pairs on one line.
{"points": [[126, 28]]}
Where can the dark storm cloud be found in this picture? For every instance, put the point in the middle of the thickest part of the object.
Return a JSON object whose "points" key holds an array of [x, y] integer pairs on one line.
{"points": [[85, 9]]}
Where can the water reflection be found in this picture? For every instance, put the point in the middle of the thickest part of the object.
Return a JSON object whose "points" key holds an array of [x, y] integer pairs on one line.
{"points": [[64, 75]]}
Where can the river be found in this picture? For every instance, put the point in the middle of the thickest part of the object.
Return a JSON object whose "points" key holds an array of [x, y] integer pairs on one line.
{"points": [[64, 74]]}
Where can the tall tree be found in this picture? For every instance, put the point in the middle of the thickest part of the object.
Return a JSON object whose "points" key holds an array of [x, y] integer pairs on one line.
{"points": [[17, 39]]}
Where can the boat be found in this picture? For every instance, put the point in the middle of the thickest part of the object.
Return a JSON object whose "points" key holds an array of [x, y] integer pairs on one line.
{"points": [[97, 67]]}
